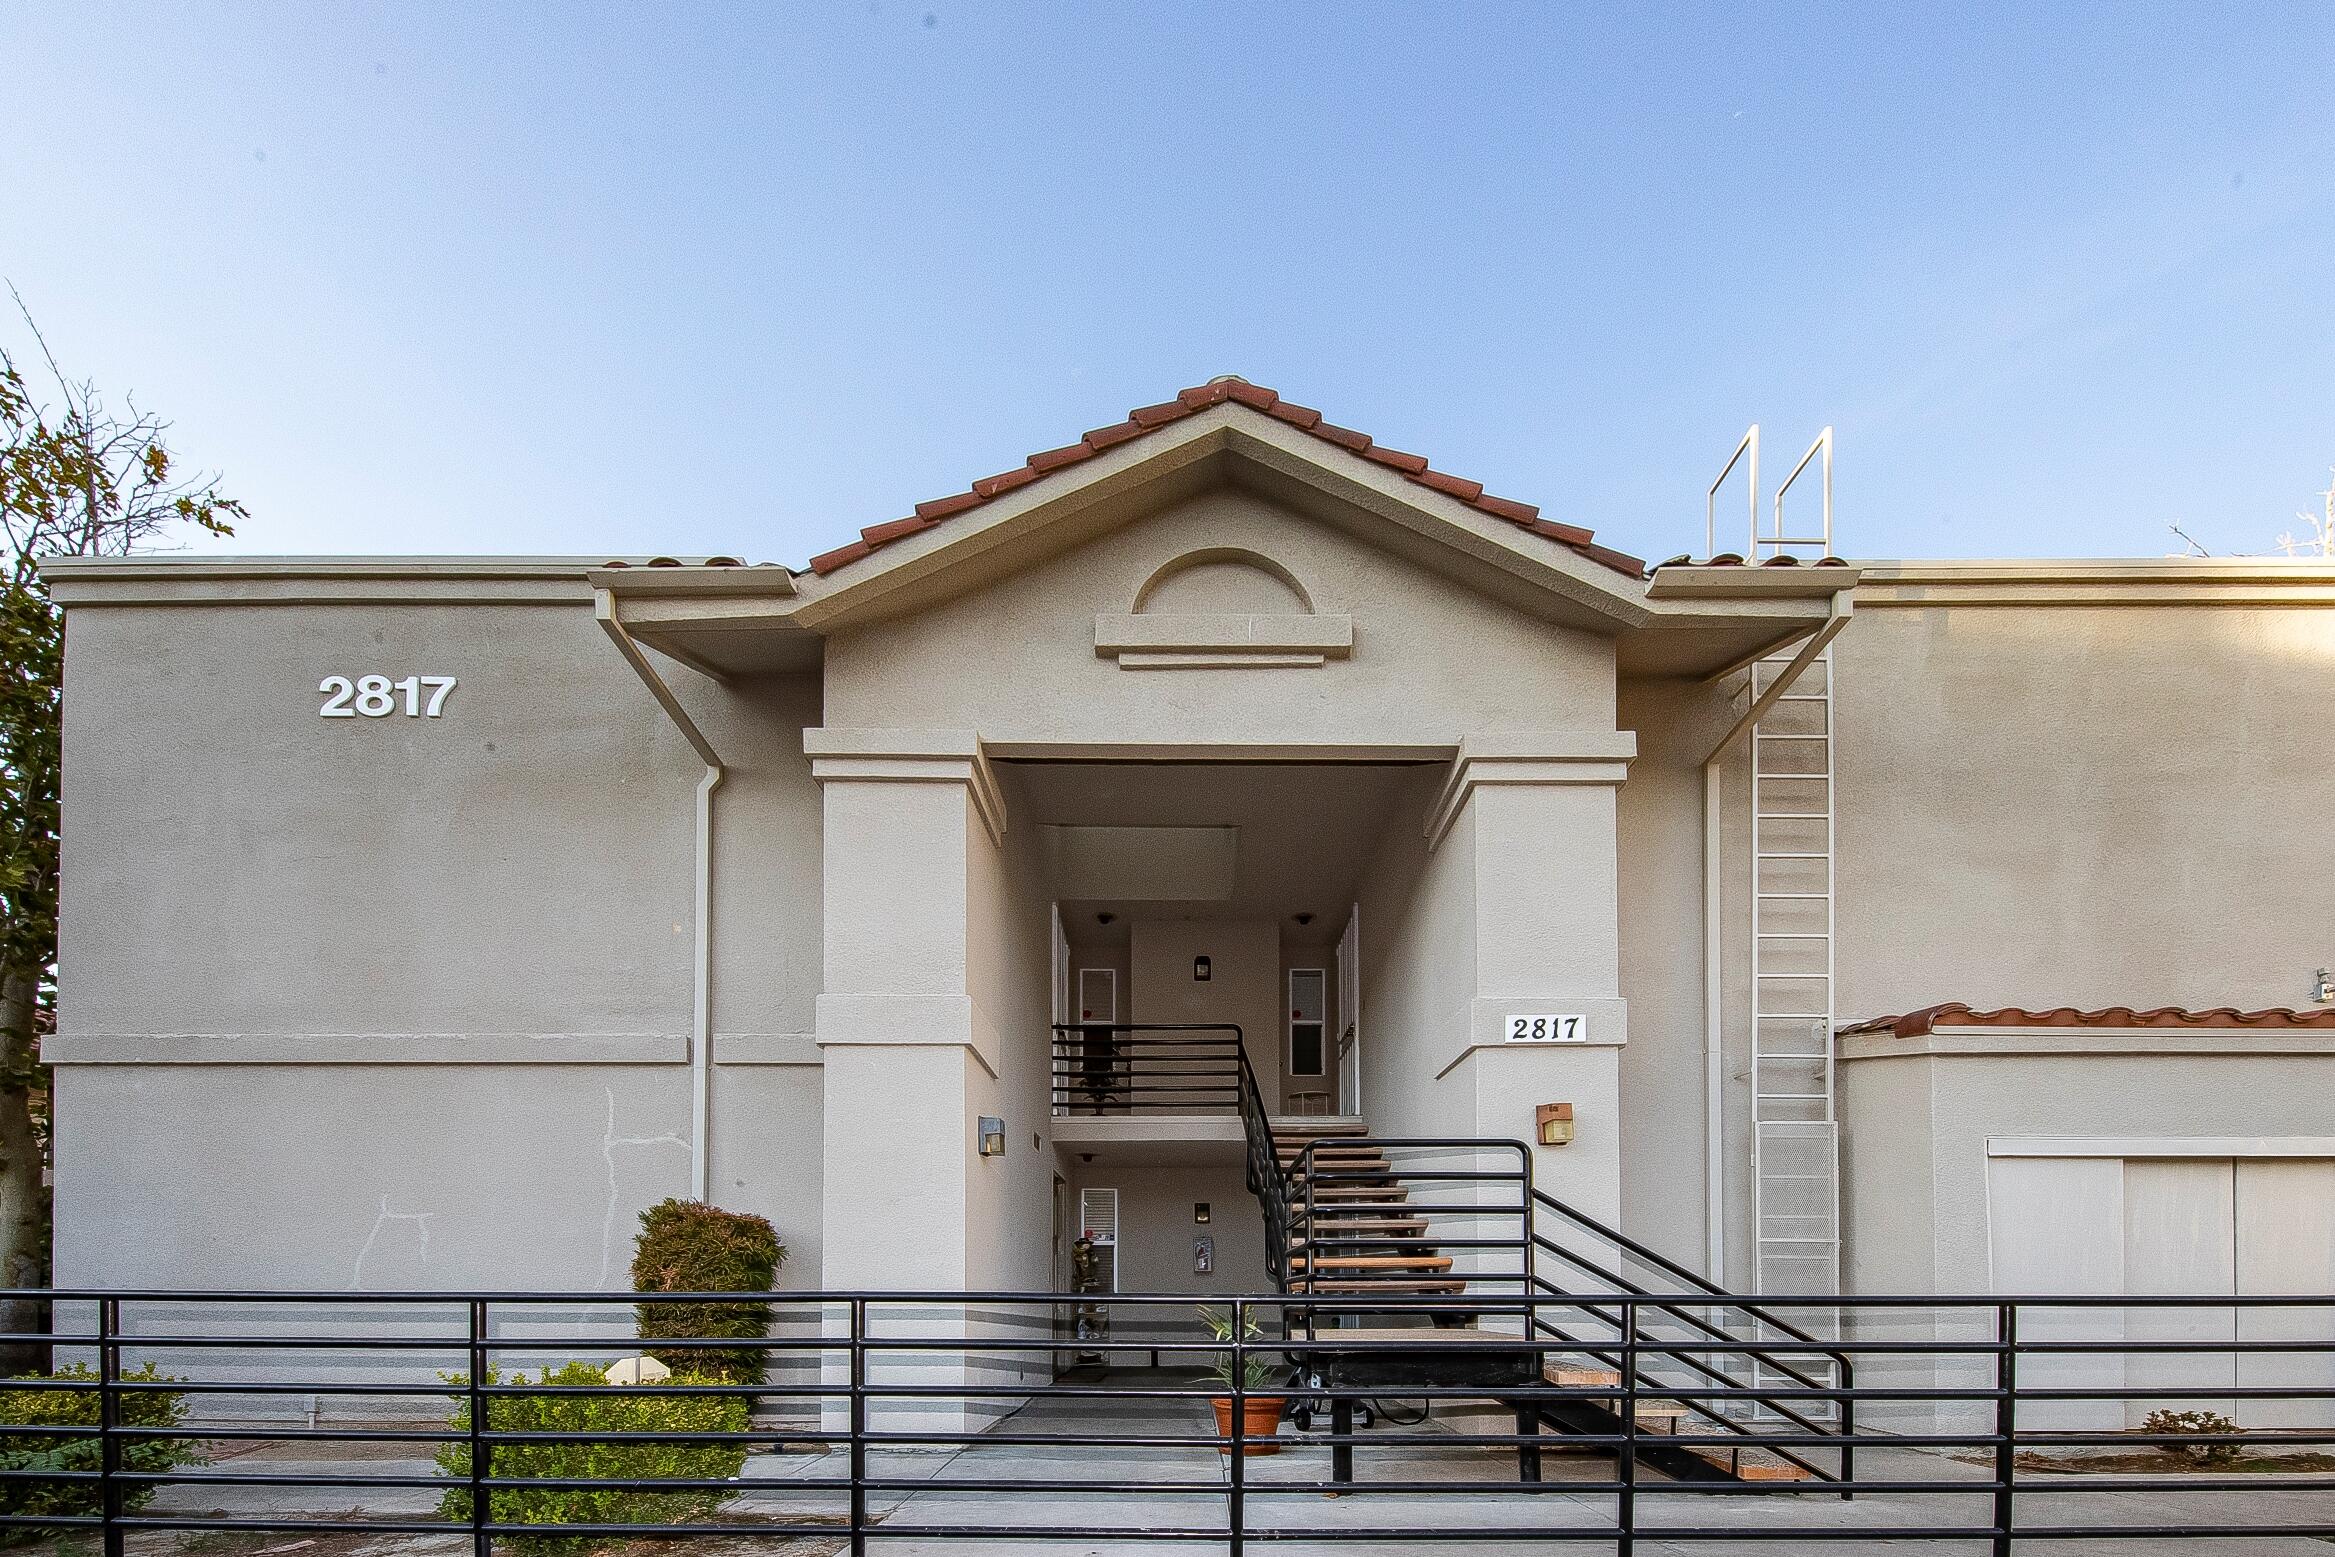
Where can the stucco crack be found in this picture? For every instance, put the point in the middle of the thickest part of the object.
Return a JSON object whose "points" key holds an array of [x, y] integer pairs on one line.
{"points": [[609, 1142], [421, 1226]]}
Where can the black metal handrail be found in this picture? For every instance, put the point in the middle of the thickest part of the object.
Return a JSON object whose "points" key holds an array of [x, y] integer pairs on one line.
{"points": [[1308, 1174], [1215, 1052], [1266, 1179], [1136, 1068], [1543, 1200], [1758, 1314]]}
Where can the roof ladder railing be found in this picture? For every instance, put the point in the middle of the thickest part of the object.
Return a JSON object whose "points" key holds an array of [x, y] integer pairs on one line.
{"points": [[1795, 1150]]}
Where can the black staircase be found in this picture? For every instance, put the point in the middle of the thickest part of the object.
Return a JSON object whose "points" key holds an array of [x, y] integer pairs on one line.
{"points": [[1420, 1220]]}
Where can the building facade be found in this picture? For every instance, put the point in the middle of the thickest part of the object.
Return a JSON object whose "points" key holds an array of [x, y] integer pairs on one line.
{"points": [[1887, 926]]}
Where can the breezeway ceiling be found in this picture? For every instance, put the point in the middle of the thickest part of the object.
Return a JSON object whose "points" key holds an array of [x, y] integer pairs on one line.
{"points": [[1304, 832]]}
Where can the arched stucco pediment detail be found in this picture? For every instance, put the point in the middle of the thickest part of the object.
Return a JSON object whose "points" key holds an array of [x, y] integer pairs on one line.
{"points": [[1233, 572], [1222, 607]]}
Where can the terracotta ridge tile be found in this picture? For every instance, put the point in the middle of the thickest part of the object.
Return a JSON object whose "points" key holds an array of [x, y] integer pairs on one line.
{"points": [[1054, 459], [1915, 1024], [1005, 481], [1118, 432], [892, 530], [945, 507], [1457, 486], [1408, 464], [1217, 392]]}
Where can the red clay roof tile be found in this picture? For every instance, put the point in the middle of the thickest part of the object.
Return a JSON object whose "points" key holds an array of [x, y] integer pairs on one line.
{"points": [[1199, 398], [878, 534], [943, 507], [1408, 464], [1456, 486], [1915, 1024], [841, 556], [1005, 481], [1118, 432], [1054, 459]]}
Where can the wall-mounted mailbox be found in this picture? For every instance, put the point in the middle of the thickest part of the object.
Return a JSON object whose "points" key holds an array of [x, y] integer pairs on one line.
{"points": [[1552, 1124]]}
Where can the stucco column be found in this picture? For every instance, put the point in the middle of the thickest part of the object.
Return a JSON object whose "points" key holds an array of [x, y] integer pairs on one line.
{"points": [[1535, 817], [904, 1046]]}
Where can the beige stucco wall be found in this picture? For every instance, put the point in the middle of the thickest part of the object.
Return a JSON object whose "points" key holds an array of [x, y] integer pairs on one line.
{"points": [[2040, 803], [1659, 824], [1243, 985], [1156, 1230], [1418, 938], [1916, 1123], [261, 905], [2086, 805], [1017, 661], [521, 864], [1010, 939]]}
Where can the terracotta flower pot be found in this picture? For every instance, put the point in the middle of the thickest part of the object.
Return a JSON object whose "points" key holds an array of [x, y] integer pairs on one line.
{"points": [[1261, 1419]]}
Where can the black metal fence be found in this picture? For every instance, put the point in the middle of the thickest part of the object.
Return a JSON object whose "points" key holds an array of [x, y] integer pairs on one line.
{"points": [[902, 1422]]}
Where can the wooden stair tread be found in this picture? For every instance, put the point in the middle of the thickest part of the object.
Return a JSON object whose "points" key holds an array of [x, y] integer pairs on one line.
{"points": [[1580, 1378], [1367, 1224], [1425, 1335], [1750, 1463], [1360, 1192], [1376, 1262], [1393, 1284]]}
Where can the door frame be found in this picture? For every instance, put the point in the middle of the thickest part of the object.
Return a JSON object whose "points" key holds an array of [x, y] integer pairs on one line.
{"points": [[1348, 1047]]}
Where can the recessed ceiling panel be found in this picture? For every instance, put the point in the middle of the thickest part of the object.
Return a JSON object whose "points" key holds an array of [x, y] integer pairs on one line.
{"points": [[1143, 864]]}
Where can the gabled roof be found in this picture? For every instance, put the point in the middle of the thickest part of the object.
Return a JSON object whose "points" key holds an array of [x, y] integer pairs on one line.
{"points": [[1190, 402], [1916, 1024]]}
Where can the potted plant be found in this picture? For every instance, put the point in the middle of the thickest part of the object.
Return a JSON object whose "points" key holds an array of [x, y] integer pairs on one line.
{"points": [[1260, 1413]]}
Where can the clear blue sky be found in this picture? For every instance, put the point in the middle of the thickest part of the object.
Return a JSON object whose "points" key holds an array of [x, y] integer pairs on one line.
{"points": [[695, 278]]}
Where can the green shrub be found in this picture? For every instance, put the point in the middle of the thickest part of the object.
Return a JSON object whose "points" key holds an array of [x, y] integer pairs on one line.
{"points": [[21, 1408], [635, 1409], [688, 1246], [2203, 1426]]}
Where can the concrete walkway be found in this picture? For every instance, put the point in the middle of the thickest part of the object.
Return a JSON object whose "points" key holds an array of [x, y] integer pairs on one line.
{"points": [[1452, 1485]]}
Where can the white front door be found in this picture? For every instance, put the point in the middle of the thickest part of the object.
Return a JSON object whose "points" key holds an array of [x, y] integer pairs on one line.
{"points": [[1350, 1015]]}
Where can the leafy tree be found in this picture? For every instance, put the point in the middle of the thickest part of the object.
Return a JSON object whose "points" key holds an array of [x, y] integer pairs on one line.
{"points": [[78, 477]]}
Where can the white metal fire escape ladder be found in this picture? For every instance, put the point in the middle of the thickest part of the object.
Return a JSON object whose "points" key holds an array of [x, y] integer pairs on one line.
{"points": [[1795, 1149]]}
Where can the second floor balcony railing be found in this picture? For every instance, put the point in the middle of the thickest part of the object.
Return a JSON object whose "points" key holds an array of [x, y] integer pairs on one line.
{"points": [[1119, 1068]]}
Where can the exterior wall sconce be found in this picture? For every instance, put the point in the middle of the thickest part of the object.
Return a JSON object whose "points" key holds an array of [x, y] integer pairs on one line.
{"points": [[992, 1136], [1552, 1124], [2323, 993], [1201, 970], [1199, 1210]]}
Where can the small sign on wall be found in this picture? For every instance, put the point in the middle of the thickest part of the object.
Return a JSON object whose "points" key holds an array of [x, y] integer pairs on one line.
{"points": [[1546, 1029]]}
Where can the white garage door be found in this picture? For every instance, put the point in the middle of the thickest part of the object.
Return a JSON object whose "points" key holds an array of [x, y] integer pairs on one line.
{"points": [[2180, 1226]]}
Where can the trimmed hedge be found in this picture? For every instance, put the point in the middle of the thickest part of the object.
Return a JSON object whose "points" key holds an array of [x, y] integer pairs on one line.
{"points": [[22, 1451], [642, 1408], [688, 1246]]}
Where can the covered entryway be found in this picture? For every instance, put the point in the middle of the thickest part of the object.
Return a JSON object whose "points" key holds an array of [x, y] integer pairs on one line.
{"points": [[1193, 899]]}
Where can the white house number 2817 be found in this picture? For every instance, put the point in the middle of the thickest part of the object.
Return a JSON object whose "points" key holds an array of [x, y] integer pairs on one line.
{"points": [[377, 697]]}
